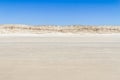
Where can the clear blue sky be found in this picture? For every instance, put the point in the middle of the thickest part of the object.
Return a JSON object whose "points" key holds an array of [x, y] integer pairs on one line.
{"points": [[60, 12]]}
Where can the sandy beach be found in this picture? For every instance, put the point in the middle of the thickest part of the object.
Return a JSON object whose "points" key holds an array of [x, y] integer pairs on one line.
{"points": [[60, 57]]}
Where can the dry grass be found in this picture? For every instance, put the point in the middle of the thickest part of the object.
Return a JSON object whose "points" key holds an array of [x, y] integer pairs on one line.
{"points": [[38, 29]]}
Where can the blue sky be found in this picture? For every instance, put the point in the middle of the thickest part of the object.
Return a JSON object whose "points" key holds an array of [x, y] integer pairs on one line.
{"points": [[60, 12]]}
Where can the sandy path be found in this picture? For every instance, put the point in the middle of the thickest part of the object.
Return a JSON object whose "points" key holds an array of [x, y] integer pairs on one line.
{"points": [[60, 58]]}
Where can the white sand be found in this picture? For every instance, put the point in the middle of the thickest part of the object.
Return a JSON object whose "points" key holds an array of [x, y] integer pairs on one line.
{"points": [[60, 57]]}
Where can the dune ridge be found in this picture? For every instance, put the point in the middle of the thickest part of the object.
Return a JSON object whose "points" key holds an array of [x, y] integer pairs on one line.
{"points": [[38, 29]]}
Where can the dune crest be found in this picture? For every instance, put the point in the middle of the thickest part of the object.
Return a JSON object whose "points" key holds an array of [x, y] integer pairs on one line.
{"points": [[38, 29]]}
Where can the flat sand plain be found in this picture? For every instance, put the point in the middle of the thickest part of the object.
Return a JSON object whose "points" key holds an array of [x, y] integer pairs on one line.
{"points": [[81, 57]]}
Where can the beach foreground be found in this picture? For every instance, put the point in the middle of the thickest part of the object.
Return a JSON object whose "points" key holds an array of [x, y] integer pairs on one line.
{"points": [[45, 57]]}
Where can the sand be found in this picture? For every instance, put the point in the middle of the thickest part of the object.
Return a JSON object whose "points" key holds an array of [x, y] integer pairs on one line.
{"points": [[60, 57]]}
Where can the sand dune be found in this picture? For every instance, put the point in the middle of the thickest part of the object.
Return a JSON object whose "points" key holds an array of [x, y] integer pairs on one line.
{"points": [[38, 29]]}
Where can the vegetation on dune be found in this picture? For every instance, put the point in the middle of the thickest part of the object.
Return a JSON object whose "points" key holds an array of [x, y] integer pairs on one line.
{"points": [[37, 29]]}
